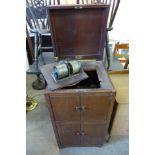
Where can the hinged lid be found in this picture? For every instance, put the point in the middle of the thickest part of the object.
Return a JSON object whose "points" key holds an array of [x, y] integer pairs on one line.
{"points": [[78, 31]]}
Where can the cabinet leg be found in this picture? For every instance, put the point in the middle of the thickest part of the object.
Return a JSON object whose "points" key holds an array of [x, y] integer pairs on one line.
{"points": [[107, 138]]}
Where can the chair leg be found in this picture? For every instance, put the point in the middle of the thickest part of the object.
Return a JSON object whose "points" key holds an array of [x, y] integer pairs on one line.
{"points": [[42, 57], [36, 51], [126, 64], [40, 83], [107, 51], [41, 53]]}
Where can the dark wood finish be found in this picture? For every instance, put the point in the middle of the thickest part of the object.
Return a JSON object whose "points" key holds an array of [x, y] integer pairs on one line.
{"points": [[113, 116], [66, 107], [29, 49], [30, 46], [114, 5], [93, 134], [91, 102], [78, 31], [48, 101], [81, 117], [69, 134]]}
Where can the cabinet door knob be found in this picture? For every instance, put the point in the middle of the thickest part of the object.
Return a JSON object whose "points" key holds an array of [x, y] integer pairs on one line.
{"points": [[77, 133], [83, 108], [82, 133], [77, 108]]}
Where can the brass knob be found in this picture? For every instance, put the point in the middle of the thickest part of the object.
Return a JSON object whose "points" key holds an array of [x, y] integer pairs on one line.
{"points": [[77, 133], [77, 108], [83, 108], [82, 133]]}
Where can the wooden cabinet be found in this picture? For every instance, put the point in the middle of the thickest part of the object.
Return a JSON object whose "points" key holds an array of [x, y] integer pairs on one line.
{"points": [[81, 113], [81, 117]]}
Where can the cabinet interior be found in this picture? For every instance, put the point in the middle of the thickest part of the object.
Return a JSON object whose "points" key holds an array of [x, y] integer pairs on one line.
{"points": [[91, 82]]}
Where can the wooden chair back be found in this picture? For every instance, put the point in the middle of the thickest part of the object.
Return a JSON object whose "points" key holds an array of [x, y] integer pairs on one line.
{"points": [[36, 14], [118, 47]]}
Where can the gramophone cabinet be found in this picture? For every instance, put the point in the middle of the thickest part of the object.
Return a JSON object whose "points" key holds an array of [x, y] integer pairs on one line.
{"points": [[81, 112]]}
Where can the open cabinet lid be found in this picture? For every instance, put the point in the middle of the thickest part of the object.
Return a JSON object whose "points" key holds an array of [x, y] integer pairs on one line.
{"points": [[78, 31]]}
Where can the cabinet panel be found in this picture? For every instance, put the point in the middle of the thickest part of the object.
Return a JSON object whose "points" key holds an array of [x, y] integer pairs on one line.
{"points": [[66, 107], [93, 134], [95, 106], [69, 135]]}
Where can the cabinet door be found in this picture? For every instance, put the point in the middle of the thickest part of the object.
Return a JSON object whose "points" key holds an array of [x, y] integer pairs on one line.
{"points": [[93, 134], [95, 106], [66, 107], [69, 134]]}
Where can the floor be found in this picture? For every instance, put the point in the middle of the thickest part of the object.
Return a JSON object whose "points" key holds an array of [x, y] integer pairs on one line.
{"points": [[41, 139]]}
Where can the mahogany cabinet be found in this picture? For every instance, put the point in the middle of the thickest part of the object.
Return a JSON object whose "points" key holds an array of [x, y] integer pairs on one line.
{"points": [[81, 113], [81, 116]]}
